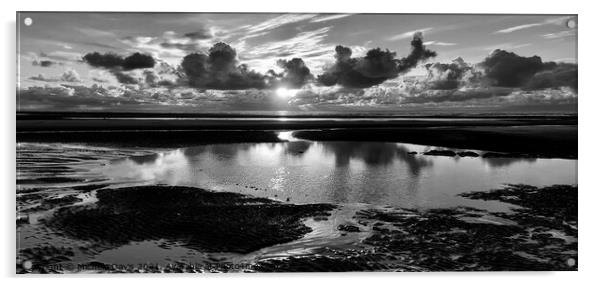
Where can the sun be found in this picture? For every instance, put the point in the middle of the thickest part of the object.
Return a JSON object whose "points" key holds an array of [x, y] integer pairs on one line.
{"points": [[285, 92]]}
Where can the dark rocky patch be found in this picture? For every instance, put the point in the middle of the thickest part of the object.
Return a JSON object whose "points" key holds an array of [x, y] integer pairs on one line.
{"points": [[438, 240], [200, 219], [348, 228], [448, 153], [468, 154], [506, 155]]}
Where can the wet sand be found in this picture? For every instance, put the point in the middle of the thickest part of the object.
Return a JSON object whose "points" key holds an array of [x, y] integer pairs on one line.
{"points": [[531, 237]]}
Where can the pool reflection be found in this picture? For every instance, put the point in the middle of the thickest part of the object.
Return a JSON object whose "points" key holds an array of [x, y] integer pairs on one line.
{"points": [[337, 172]]}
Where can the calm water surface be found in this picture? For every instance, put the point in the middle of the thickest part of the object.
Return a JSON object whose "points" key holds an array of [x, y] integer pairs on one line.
{"points": [[339, 172]]}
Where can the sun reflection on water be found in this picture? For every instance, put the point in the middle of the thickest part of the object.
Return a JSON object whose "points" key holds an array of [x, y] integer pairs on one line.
{"points": [[286, 136]]}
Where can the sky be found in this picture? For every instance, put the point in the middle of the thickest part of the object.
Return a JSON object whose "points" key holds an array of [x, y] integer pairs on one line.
{"points": [[195, 62]]}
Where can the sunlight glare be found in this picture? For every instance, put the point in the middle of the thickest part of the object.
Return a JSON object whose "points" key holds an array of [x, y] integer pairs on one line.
{"points": [[286, 93]]}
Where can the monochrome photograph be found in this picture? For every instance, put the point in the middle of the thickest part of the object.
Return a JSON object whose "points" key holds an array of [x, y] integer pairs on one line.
{"points": [[222, 142]]}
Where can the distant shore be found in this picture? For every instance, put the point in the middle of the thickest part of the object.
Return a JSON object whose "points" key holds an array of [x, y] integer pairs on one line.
{"points": [[542, 141], [533, 136]]}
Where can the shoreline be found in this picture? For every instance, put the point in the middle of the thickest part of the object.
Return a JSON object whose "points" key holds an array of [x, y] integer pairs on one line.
{"points": [[527, 140]]}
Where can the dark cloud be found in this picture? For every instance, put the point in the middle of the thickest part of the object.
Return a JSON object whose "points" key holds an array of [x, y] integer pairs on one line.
{"points": [[220, 70], [107, 61], [374, 68], [295, 75], [554, 76], [509, 69], [116, 64], [501, 69], [138, 61], [419, 53], [43, 63], [112, 61]]}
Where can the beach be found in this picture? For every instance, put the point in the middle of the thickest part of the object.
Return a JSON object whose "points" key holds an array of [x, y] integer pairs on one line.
{"points": [[264, 194]]}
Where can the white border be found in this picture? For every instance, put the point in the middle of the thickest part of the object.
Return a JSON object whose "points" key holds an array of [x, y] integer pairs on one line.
{"points": [[589, 130]]}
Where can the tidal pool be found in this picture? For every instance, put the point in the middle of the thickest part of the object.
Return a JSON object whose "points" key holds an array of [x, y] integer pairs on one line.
{"points": [[376, 173]]}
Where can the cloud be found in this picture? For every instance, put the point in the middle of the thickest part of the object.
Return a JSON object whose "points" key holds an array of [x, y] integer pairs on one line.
{"points": [[172, 46], [138, 61], [70, 75], [100, 80], [201, 34], [329, 18], [505, 46], [220, 70], [107, 60], [308, 45], [123, 77], [43, 63], [456, 95], [72, 97], [118, 65], [295, 75], [509, 69], [279, 21], [41, 77], [374, 68], [111, 61], [555, 21], [61, 56], [559, 35], [98, 45], [442, 76], [436, 43], [409, 34], [519, 27], [419, 53], [554, 76], [501, 74]]}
